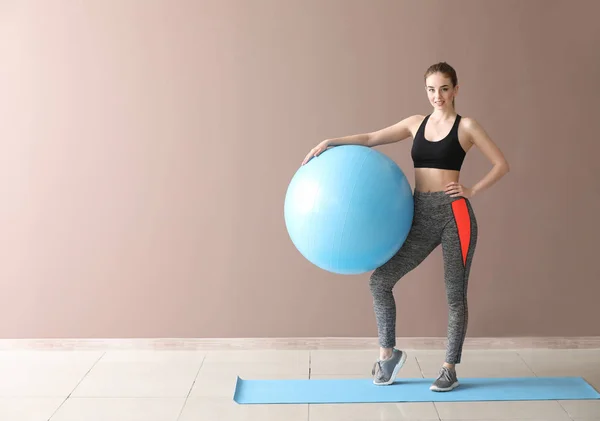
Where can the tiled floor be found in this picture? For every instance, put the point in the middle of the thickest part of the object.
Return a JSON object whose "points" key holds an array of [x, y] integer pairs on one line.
{"points": [[193, 386]]}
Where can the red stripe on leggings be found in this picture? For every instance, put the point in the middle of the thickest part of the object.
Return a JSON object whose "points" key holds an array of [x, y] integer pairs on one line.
{"points": [[463, 223]]}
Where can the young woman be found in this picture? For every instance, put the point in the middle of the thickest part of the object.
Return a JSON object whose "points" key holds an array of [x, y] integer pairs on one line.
{"points": [[443, 215]]}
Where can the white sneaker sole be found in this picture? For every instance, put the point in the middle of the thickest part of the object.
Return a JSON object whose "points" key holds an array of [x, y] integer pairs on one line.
{"points": [[444, 389], [395, 372]]}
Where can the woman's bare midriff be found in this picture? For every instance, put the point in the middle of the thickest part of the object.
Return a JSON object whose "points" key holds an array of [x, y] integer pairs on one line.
{"points": [[433, 179]]}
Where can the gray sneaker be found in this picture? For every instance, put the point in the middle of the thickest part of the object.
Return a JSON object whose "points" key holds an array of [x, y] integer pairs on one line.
{"points": [[446, 381], [385, 371]]}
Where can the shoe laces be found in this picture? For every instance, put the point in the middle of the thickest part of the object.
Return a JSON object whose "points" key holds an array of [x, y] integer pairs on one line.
{"points": [[376, 368], [445, 373]]}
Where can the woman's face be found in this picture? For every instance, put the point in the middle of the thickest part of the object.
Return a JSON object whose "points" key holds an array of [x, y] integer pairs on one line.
{"points": [[440, 91]]}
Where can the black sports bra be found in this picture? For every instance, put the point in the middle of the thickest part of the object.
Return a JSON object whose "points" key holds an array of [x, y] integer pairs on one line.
{"points": [[446, 154]]}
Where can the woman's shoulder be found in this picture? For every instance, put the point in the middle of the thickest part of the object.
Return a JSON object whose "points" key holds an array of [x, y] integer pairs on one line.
{"points": [[470, 128], [469, 123], [415, 121]]}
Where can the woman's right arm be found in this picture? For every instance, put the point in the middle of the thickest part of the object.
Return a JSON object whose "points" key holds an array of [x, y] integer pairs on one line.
{"points": [[391, 134]]}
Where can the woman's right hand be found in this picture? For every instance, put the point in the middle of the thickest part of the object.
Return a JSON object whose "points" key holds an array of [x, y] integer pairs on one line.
{"points": [[316, 151]]}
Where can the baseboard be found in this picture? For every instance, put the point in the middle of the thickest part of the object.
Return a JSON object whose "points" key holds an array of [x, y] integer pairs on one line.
{"points": [[588, 342]]}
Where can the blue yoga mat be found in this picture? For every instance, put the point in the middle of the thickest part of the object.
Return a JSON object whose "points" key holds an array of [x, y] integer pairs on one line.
{"points": [[411, 390]]}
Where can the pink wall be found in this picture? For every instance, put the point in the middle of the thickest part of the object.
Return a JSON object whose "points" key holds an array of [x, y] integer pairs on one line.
{"points": [[147, 147]]}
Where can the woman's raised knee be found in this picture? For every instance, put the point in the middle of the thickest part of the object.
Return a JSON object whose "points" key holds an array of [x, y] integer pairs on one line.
{"points": [[380, 283]]}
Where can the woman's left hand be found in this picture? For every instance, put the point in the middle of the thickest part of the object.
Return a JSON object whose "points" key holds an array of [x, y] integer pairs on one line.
{"points": [[458, 190]]}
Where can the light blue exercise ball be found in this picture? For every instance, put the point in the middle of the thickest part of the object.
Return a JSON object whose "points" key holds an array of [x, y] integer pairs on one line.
{"points": [[349, 210]]}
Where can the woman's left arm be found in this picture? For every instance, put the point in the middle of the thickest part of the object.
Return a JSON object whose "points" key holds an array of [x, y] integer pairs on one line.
{"points": [[500, 167]]}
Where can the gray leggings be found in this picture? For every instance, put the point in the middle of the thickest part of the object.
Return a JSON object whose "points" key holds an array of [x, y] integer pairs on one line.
{"points": [[438, 219]]}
